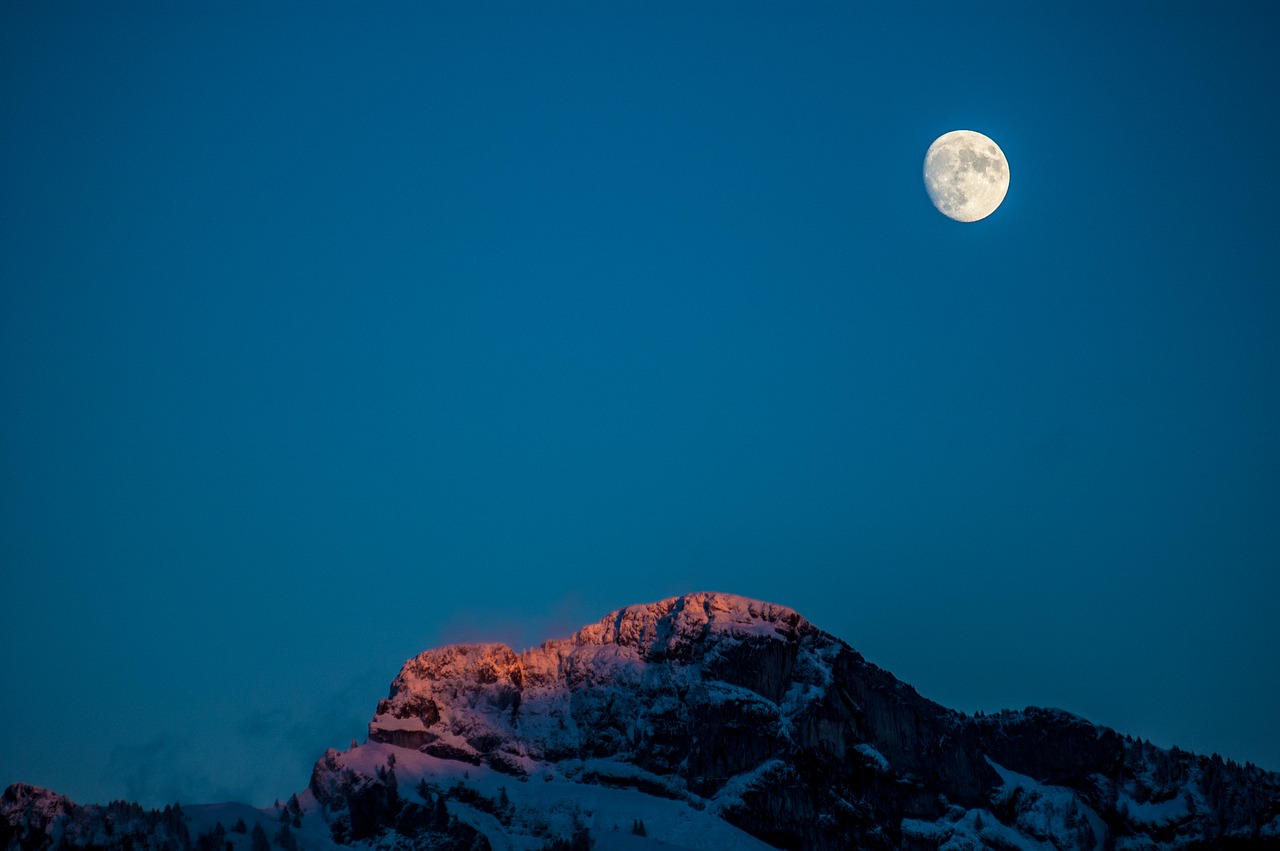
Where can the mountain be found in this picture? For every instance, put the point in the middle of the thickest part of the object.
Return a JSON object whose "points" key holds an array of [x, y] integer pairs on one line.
{"points": [[707, 721]]}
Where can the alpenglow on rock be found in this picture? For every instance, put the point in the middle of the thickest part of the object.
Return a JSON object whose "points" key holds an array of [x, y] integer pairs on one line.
{"points": [[707, 721], [638, 683]]}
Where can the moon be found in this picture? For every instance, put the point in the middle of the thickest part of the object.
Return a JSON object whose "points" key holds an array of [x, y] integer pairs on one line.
{"points": [[966, 175]]}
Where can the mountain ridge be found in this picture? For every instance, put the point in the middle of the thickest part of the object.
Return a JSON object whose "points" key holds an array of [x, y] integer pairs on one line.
{"points": [[714, 720]]}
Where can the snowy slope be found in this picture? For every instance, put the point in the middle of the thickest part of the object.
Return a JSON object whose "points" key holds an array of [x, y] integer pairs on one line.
{"points": [[707, 722], [551, 803]]}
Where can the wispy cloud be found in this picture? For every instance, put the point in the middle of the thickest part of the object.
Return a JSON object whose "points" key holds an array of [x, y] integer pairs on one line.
{"points": [[266, 754]]}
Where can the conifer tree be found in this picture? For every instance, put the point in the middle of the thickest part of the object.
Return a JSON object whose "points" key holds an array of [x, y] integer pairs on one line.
{"points": [[285, 839], [258, 839], [504, 808]]}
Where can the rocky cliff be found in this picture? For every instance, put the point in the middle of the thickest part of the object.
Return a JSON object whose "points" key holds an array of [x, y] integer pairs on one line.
{"points": [[714, 721], [785, 731]]}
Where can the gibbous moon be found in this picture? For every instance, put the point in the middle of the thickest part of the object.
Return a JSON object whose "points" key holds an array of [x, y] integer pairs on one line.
{"points": [[966, 175]]}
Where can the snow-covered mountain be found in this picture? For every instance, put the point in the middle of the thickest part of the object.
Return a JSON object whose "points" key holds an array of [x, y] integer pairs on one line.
{"points": [[707, 722]]}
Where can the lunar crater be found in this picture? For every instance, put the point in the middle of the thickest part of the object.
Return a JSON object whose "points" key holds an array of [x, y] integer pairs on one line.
{"points": [[966, 175]]}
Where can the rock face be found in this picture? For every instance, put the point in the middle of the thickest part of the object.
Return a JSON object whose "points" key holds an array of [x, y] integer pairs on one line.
{"points": [[721, 722], [748, 709], [30, 815], [700, 690]]}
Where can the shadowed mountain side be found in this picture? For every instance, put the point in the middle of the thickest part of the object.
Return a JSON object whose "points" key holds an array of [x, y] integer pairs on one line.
{"points": [[708, 721]]}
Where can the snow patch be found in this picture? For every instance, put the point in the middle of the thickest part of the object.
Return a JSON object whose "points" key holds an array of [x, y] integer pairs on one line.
{"points": [[874, 757], [1152, 813], [730, 795], [391, 723], [1052, 813], [552, 801], [970, 830]]}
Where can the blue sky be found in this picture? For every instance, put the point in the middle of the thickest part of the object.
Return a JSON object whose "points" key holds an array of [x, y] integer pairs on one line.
{"points": [[329, 335]]}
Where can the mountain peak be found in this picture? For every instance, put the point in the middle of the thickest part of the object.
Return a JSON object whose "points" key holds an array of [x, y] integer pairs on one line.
{"points": [[709, 721], [486, 703], [744, 709], [657, 629]]}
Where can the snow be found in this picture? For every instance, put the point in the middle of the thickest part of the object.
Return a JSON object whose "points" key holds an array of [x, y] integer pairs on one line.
{"points": [[391, 722], [1153, 813], [609, 684], [720, 693], [970, 830], [620, 773], [1051, 812], [934, 831], [551, 802], [730, 795], [621, 685], [874, 757], [656, 626]]}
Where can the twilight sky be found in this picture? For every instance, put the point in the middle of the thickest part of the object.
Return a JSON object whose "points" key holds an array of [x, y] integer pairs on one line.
{"points": [[329, 336]]}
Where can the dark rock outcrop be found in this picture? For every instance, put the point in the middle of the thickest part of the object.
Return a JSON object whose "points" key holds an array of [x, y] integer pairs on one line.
{"points": [[723, 708], [783, 729]]}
